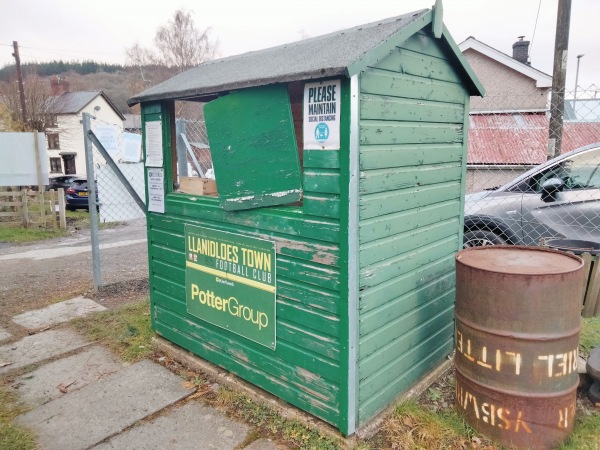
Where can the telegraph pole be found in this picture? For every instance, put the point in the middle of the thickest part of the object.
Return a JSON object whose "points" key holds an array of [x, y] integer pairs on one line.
{"points": [[20, 81], [559, 76]]}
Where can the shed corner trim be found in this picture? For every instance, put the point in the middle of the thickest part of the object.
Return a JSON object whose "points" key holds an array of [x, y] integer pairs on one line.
{"points": [[475, 86]]}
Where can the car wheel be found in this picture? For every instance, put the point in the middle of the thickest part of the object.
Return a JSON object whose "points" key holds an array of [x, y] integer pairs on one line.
{"points": [[479, 238], [70, 208]]}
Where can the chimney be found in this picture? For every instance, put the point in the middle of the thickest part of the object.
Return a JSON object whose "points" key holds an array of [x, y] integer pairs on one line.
{"points": [[521, 50], [59, 85]]}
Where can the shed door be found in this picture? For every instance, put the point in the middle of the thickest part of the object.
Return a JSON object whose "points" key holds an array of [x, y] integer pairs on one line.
{"points": [[254, 150]]}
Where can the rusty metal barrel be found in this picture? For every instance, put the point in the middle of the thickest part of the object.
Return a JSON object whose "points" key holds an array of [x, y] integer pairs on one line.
{"points": [[517, 337]]}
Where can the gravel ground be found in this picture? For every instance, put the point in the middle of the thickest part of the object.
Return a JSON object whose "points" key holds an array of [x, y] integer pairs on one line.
{"points": [[28, 283]]}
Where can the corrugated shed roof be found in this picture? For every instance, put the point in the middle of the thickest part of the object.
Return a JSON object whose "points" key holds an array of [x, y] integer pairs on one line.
{"points": [[322, 56], [521, 138]]}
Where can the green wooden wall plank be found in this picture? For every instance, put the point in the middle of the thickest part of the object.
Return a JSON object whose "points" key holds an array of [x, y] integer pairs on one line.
{"points": [[377, 132], [391, 268], [279, 386], [311, 296], [321, 159], [382, 82], [383, 203], [382, 180], [253, 148], [326, 277], [423, 339], [289, 222], [322, 180], [381, 107], [376, 252], [322, 205], [323, 345], [382, 157], [432, 357], [373, 320], [403, 60], [379, 295], [376, 341], [313, 319], [392, 224], [287, 354], [425, 44]]}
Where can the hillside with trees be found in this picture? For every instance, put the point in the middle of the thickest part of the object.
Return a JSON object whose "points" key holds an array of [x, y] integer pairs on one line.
{"points": [[178, 46]]}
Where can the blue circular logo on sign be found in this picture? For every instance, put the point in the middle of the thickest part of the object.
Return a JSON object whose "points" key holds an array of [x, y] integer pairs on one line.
{"points": [[321, 132]]}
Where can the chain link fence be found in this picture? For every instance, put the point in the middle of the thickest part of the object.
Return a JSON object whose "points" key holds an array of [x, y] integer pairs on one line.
{"points": [[514, 195]]}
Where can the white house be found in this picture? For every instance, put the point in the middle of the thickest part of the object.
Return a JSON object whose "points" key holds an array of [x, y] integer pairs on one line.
{"points": [[66, 149]]}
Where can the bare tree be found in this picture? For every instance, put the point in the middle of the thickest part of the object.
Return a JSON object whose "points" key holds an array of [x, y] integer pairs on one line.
{"points": [[6, 120], [37, 99], [179, 45]]}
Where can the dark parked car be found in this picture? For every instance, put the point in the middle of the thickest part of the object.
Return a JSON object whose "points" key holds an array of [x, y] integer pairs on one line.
{"points": [[61, 181], [76, 195], [557, 199]]}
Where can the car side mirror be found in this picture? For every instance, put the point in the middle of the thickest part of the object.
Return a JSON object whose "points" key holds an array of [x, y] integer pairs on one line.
{"points": [[550, 188]]}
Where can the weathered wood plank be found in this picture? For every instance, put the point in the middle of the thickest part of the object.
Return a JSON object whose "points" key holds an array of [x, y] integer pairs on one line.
{"points": [[308, 389], [323, 345], [322, 180], [323, 276], [394, 267], [321, 205], [380, 204], [413, 219], [307, 249], [382, 157], [312, 319], [321, 159], [379, 295], [381, 250], [308, 295], [385, 180], [376, 132], [403, 60], [284, 220], [375, 320], [376, 391], [381, 107], [382, 82]]}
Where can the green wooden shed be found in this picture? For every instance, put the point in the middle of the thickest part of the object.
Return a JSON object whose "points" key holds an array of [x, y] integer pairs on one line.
{"points": [[322, 269]]}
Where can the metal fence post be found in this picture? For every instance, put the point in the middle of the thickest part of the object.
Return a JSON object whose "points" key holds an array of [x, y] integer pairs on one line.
{"points": [[181, 148], [92, 205]]}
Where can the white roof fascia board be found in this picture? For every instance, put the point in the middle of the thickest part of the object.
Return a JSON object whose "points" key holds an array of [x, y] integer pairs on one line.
{"points": [[542, 80]]}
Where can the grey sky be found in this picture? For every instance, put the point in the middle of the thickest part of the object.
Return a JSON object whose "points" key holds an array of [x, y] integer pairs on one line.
{"points": [[101, 30]]}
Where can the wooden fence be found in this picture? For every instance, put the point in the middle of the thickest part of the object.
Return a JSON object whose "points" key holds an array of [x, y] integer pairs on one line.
{"points": [[32, 208]]}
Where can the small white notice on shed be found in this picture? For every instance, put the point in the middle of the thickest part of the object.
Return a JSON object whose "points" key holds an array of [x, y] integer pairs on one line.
{"points": [[154, 152], [156, 190], [322, 115]]}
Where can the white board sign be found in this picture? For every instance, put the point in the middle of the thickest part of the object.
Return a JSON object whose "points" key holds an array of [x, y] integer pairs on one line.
{"points": [[108, 135], [322, 115], [154, 152], [132, 147], [18, 165], [156, 190]]}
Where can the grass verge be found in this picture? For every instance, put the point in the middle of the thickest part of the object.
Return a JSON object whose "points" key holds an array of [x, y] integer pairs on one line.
{"points": [[589, 338], [11, 436], [19, 234], [125, 330]]}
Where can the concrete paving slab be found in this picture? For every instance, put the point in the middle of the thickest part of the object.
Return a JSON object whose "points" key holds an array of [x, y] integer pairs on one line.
{"points": [[189, 427], [264, 444], [38, 347], [100, 410], [65, 375], [57, 313], [4, 334]]}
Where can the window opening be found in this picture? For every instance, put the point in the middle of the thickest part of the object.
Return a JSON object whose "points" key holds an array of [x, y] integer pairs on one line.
{"points": [[55, 165]]}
